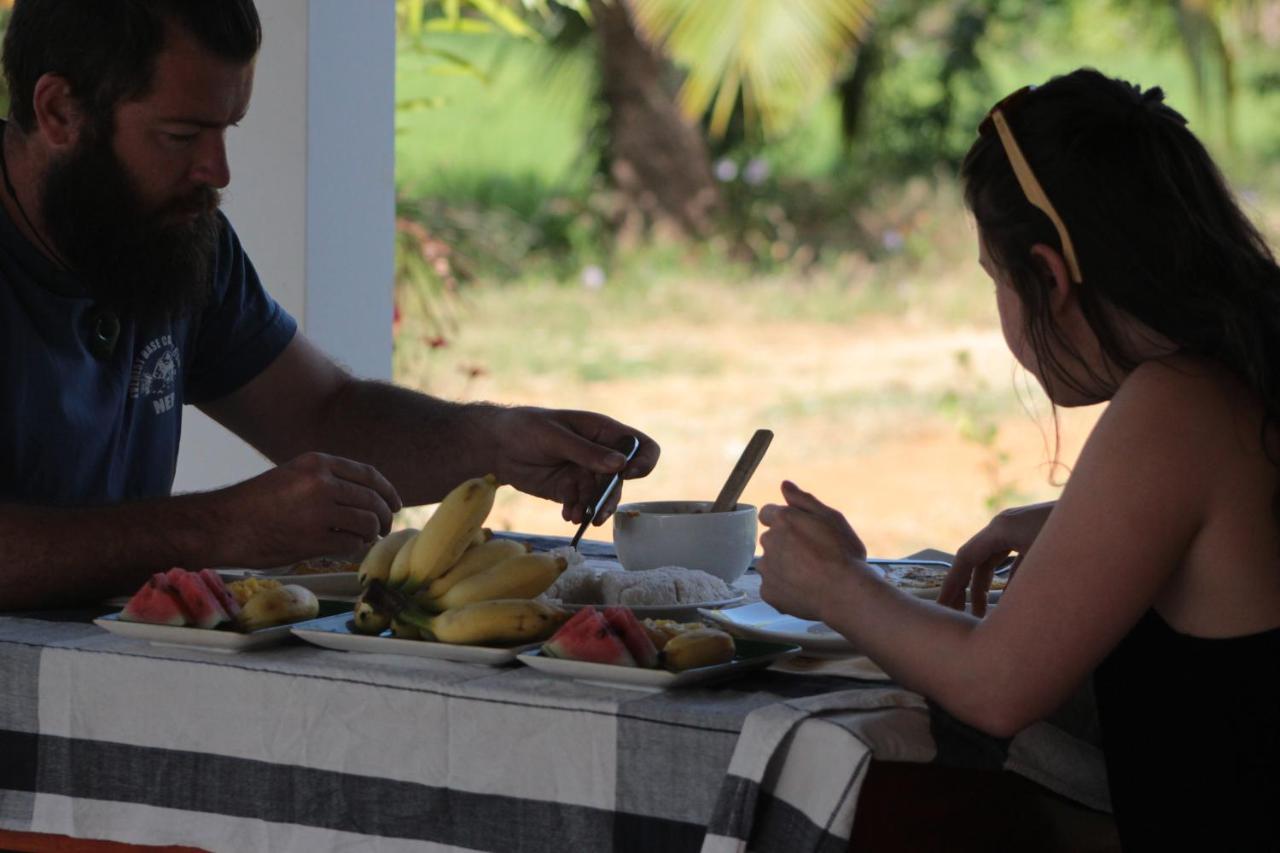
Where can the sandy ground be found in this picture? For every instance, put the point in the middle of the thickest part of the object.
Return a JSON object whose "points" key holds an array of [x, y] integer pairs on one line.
{"points": [[916, 444]]}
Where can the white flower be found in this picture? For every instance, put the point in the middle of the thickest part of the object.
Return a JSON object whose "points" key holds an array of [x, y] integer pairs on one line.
{"points": [[593, 277], [756, 172], [726, 170]]}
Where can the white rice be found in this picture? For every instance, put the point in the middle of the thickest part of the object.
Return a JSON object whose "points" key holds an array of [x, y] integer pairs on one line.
{"points": [[608, 583]]}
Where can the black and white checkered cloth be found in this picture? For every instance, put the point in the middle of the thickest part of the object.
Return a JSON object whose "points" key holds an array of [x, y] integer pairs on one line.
{"points": [[298, 748]]}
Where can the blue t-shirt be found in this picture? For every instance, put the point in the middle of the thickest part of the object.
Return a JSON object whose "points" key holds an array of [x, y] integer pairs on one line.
{"points": [[84, 431]]}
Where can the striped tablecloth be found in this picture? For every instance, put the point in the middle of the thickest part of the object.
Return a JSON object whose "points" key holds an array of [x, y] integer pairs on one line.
{"points": [[297, 748]]}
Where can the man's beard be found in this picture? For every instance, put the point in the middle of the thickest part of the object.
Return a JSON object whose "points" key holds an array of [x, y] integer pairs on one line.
{"points": [[149, 264]]}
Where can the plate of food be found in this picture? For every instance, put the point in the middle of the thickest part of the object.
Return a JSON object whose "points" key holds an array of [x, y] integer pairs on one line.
{"points": [[209, 639], [923, 578], [200, 610], [677, 612], [614, 647], [751, 655], [338, 632], [668, 592], [760, 621], [332, 577]]}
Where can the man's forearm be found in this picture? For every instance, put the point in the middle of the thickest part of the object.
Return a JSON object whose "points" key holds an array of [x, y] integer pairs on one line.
{"points": [[58, 557], [423, 445]]}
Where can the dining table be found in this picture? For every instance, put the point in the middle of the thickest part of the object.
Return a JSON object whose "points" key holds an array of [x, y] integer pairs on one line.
{"points": [[300, 748]]}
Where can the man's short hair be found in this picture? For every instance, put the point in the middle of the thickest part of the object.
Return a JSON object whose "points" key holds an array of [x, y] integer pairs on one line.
{"points": [[107, 49]]}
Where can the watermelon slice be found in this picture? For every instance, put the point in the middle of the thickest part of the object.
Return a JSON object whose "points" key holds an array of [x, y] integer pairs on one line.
{"points": [[219, 589], [625, 624], [588, 637], [198, 601], [156, 602]]}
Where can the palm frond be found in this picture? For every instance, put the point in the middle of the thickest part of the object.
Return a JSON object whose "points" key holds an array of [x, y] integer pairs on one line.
{"points": [[776, 55]]}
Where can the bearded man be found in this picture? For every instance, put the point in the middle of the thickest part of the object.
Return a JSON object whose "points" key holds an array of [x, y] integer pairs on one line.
{"points": [[125, 295]]}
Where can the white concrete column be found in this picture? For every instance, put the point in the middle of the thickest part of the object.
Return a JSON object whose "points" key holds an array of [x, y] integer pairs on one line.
{"points": [[312, 197]]}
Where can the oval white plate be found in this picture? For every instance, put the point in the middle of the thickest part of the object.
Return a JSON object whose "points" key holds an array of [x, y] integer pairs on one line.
{"points": [[334, 632], [208, 639], [751, 655], [760, 621], [327, 584], [678, 612]]}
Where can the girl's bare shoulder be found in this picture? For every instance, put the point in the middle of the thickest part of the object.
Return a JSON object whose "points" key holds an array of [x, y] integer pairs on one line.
{"points": [[1195, 388], [1187, 404]]}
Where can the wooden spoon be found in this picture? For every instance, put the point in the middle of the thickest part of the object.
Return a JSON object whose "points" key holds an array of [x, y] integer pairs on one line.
{"points": [[742, 472]]}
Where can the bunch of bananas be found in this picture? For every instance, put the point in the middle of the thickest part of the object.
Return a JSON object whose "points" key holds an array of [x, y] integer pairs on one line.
{"points": [[453, 582]]}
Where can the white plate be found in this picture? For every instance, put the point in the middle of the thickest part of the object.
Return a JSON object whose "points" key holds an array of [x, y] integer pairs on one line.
{"points": [[328, 584], [678, 612], [760, 621], [209, 639], [931, 593], [334, 632], [751, 655]]}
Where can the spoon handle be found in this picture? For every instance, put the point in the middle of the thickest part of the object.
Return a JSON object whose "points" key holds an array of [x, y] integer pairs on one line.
{"points": [[742, 472]]}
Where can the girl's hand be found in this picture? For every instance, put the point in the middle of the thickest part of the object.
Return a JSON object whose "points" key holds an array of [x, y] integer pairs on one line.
{"points": [[808, 549], [1010, 532]]}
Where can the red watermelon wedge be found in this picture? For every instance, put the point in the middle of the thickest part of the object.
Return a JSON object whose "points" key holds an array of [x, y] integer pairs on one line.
{"points": [[219, 589], [198, 601], [625, 624], [156, 602], [588, 637]]}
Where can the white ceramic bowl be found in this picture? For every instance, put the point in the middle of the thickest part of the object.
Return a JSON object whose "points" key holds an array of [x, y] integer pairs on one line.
{"points": [[653, 534]]}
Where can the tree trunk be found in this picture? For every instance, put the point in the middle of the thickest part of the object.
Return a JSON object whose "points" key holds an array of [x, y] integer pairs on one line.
{"points": [[657, 160]]}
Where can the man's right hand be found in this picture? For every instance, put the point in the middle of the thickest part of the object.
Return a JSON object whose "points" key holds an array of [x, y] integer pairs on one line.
{"points": [[313, 504], [1010, 532]]}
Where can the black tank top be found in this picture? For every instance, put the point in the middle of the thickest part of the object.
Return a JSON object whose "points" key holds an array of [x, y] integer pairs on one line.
{"points": [[1191, 734]]}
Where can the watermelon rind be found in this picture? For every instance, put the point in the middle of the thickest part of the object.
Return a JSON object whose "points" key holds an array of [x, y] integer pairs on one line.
{"points": [[588, 637], [219, 589], [634, 637], [197, 599], [155, 603]]}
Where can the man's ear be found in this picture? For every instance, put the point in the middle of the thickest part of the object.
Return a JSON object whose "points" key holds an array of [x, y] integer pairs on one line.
{"points": [[1055, 269], [59, 116]]}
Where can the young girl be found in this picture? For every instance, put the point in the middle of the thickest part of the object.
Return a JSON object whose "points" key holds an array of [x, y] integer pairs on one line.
{"points": [[1124, 271]]}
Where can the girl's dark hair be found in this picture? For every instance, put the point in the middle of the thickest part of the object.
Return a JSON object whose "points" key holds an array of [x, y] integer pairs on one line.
{"points": [[1157, 232], [107, 48]]}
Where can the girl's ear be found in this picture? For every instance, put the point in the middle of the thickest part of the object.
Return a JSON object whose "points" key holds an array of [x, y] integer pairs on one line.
{"points": [[57, 111], [1059, 277]]}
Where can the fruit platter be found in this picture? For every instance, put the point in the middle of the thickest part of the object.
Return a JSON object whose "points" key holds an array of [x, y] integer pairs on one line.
{"points": [[452, 591], [449, 590], [613, 646], [197, 608]]}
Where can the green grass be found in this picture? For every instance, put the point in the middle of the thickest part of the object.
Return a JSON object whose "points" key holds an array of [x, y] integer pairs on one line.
{"points": [[511, 138]]}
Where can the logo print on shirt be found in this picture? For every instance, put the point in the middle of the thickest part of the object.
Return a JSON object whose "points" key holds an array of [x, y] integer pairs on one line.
{"points": [[155, 373]]}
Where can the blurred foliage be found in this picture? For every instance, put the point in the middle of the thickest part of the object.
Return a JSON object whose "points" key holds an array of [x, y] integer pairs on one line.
{"points": [[522, 147], [431, 255], [769, 59]]}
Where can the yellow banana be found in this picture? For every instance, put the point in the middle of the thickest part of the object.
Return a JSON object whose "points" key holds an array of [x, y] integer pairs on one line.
{"points": [[496, 622], [482, 536], [404, 630], [366, 620], [515, 577], [474, 560], [698, 647], [278, 605], [377, 563], [398, 574], [449, 530]]}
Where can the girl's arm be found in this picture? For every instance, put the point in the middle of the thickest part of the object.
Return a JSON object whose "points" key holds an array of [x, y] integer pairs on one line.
{"points": [[1125, 521]]}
